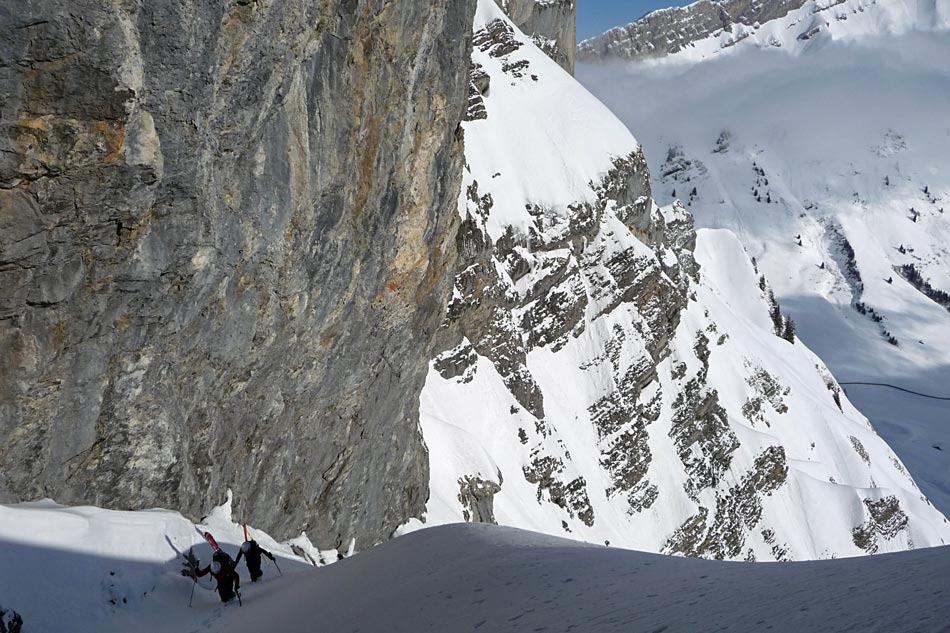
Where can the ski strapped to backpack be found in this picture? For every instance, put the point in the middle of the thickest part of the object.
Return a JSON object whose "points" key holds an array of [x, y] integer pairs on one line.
{"points": [[191, 565], [213, 543], [217, 550]]}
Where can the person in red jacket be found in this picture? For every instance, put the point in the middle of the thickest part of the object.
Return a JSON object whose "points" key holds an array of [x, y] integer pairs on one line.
{"points": [[222, 569]]}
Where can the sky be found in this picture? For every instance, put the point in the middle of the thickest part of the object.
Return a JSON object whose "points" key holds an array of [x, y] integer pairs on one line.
{"points": [[596, 16]]}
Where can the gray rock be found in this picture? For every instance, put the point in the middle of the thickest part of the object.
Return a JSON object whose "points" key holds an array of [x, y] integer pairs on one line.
{"points": [[551, 24], [480, 83], [885, 521], [737, 512], [227, 239], [10, 621], [477, 497]]}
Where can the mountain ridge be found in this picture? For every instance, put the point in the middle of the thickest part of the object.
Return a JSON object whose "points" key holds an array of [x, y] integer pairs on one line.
{"points": [[706, 29], [615, 376], [670, 30]]}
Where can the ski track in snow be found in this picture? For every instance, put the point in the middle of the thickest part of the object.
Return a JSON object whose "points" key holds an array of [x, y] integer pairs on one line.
{"points": [[887, 386]]}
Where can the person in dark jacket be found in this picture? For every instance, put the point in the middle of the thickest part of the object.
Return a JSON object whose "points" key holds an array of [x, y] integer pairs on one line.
{"points": [[251, 552], [224, 571]]}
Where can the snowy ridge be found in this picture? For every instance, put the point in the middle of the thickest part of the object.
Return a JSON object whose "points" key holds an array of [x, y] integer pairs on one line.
{"points": [[811, 24], [818, 22], [604, 390], [537, 143], [470, 577], [488, 578]]}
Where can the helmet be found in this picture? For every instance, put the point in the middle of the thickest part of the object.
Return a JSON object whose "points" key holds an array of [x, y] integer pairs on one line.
{"points": [[246, 547], [215, 568]]}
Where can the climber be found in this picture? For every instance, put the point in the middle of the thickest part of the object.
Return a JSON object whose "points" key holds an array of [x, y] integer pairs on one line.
{"points": [[251, 552], [224, 571]]}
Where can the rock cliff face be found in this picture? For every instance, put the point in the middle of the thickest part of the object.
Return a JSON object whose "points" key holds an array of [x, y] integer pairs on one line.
{"points": [[670, 30], [551, 24], [228, 238]]}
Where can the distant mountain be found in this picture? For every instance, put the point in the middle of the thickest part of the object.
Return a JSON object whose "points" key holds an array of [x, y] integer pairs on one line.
{"points": [[706, 28], [670, 30]]}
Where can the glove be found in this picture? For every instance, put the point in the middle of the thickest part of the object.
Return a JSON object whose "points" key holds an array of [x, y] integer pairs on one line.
{"points": [[187, 573]]}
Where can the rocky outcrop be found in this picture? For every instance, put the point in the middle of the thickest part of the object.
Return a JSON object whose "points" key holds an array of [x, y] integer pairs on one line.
{"points": [[605, 277], [10, 621], [670, 30], [477, 497], [737, 511], [885, 521], [228, 238], [551, 24]]}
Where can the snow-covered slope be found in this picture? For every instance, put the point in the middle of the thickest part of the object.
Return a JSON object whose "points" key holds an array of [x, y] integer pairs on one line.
{"points": [[608, 391], [830, 159], [486, 578], [114, 571]]}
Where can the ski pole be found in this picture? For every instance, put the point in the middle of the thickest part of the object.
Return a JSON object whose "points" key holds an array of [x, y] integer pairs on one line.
{"points": [[274, 560], [192, 592], [240, 604]]}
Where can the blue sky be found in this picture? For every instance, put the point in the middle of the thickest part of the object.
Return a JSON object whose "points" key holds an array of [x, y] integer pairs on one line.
{"points": [[596, 16]]}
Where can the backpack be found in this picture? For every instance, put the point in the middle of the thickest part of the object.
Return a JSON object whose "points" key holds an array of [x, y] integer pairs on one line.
{"points": [[224, 559]]}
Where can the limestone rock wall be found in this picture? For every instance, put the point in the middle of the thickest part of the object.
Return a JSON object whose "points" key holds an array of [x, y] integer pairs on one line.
{"points": [[551, 24], [227, 237]]}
